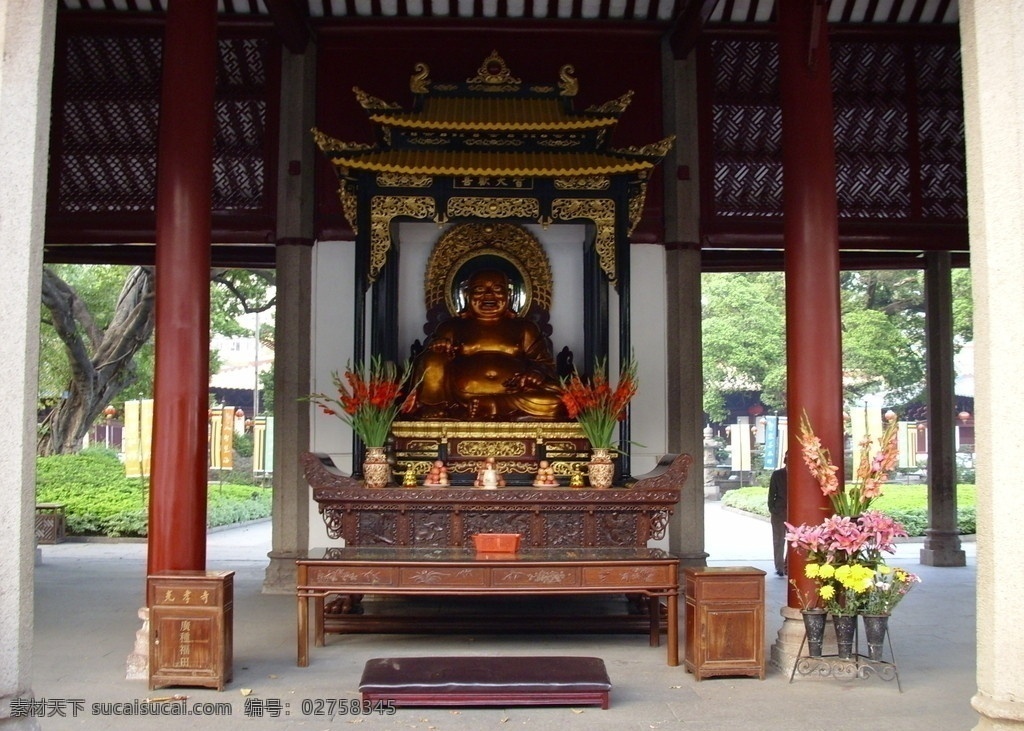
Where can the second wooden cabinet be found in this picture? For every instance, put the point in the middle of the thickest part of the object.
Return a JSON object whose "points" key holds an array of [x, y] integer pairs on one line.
{"points": [[724, 621]]}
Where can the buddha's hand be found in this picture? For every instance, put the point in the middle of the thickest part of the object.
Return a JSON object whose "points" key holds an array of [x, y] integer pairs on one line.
{"points": [[524, 381], [445, 346]]}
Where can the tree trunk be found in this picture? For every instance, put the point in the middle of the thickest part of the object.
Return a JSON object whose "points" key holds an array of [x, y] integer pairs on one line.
{"points": [[102, 362]]}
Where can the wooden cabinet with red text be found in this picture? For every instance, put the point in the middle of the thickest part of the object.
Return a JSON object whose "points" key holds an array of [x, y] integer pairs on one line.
{"points": [[724, 621], [190, 635]]}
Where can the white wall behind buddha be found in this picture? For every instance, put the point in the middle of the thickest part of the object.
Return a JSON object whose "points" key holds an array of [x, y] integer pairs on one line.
{"points": [[332, 331]]}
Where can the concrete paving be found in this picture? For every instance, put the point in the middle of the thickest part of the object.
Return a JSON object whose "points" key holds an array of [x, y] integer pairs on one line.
{"points": [[88, 596]]}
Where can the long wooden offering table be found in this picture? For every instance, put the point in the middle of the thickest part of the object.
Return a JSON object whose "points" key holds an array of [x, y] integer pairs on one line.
{"points": [[455, 571], [550, 517]]}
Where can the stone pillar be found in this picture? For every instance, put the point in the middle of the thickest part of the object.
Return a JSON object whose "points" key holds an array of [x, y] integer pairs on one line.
{"points": [[177, 506], [942, 539], [992, 34], [26, 68], [294, 284], [682, 308], [291, 417], [811, 235]]}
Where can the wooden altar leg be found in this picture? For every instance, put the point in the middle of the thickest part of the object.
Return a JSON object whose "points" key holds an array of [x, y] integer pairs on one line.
{"points": [[654, 612], [303, 629], [673, 629], [318, 621]]}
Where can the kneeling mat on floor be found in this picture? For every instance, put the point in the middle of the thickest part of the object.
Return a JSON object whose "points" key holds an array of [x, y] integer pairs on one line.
{"points": [[486, 681]]}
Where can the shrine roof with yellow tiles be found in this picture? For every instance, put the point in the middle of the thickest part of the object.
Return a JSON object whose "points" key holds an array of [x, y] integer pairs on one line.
{"points": [[492, 114], [527, 164]]}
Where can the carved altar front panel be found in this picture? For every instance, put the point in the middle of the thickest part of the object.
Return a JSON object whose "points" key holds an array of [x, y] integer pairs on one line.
{"points": [[546, 517]]}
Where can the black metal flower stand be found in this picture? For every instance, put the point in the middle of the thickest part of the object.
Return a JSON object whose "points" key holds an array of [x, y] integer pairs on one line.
{"points": [[858, 666]]}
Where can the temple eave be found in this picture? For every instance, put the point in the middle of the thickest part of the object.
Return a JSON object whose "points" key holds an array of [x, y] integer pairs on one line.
{"points": [[496, 126], [618, 167]]}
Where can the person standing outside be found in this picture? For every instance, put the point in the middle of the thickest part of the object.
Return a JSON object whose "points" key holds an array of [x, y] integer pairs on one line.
{"points": [[777, 507]]}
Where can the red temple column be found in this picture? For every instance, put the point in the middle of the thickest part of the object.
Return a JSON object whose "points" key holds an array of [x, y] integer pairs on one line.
{"points": [[177, 508], [813, 339]]}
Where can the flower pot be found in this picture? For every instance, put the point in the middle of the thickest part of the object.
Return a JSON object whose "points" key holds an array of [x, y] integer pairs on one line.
{"points": [[601, 468], [376, 470], [814, 629], [875, 627], [846, 629]]}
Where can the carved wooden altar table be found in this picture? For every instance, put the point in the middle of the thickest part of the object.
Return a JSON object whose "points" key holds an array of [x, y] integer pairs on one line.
{"points": [[457, 571]]}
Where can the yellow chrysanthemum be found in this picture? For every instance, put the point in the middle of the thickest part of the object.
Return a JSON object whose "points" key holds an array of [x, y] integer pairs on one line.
{"points": [[811, 570], [883, 569], [826, 571], [827, 592]]}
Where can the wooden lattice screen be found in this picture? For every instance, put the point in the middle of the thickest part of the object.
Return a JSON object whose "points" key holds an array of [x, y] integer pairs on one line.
{"points": [[898, 125], [106, 109]]}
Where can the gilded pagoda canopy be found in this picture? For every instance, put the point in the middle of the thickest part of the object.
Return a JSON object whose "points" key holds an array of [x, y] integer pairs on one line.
{"points": [[492, 147]]}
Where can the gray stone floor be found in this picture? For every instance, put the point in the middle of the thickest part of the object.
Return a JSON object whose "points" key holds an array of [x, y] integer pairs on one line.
{"points": [[88, 596]]}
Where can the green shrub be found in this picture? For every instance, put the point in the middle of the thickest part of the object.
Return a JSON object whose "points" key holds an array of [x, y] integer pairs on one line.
{"points": [[748, 499], [243, 444], [906, 503], [100, 501]]}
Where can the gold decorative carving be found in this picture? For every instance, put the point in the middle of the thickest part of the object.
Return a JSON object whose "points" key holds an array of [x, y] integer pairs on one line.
{"points": [[602, 212], [419, 82], [655, 149], [383, 208], [465, 241], [326, 143], [542, 88], [425, 139], [493, 207], [557, 447], [493, 141], [553, 430], [494, 75], [494, 87], [567, 84], [491, 449], [565, 469], [349, 205], [372, 103], [404, 180], [415, 467], [559, 141], [518, 468], [422, 445], [446, 87], [584, 182], [615, 106], [636, 205]]}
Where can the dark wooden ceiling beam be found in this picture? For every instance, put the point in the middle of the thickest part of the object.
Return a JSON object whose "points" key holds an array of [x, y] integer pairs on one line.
{"points": [[290, 24], [688, 25]]}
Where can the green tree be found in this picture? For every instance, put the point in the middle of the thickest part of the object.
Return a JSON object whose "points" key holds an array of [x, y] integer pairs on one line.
{"points": [[883, 328], [744, 344], [97, 350]]}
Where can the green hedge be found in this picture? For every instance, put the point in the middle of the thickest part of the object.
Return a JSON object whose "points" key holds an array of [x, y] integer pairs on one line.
{"points": [[906, 503], [100, 501]]}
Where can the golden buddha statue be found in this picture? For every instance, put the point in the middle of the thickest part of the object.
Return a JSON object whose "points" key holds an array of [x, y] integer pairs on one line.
{"points": [[487, 363]]}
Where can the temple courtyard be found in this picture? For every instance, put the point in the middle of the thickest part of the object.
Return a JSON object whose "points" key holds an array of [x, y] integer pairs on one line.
{"points": [[88, 595]]}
